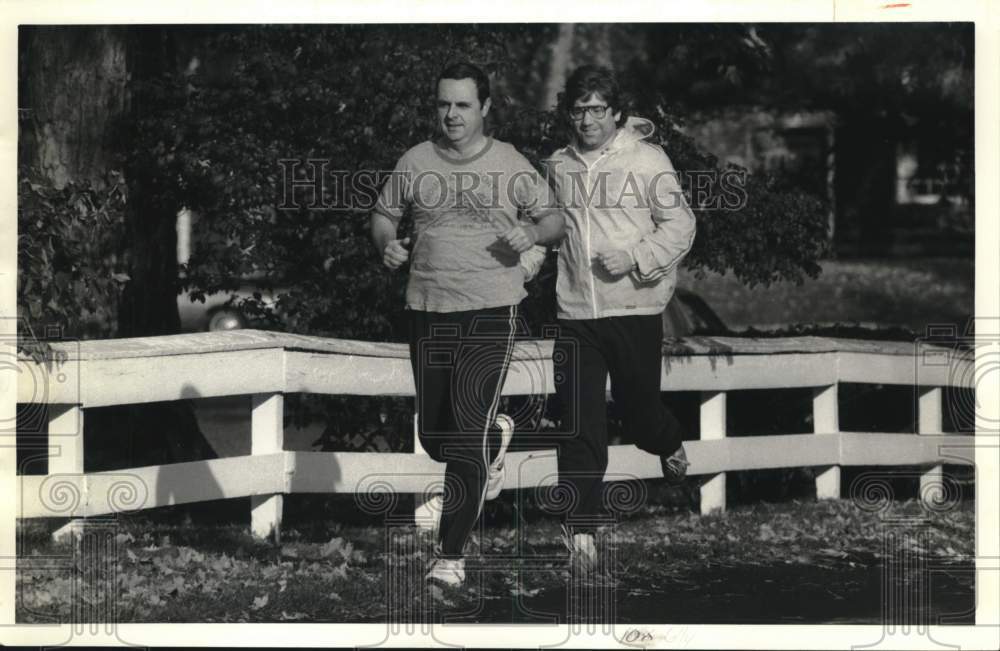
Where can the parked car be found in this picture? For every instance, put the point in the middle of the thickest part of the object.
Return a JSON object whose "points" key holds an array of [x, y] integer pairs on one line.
{"points": [[221, 310]]}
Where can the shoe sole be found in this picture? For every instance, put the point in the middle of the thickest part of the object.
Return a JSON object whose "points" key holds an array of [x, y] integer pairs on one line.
{"points": [[497, 472], [446, 579], [676, 478], [494, 485], [673, 476], [506, 425]]}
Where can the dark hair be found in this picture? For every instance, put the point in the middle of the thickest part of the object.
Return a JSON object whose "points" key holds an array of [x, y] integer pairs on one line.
{"points": [[589, 79], [467, 71]]}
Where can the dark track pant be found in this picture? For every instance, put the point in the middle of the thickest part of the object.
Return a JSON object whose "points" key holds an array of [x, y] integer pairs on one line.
{"points": [[460, 361], [630, 349]]}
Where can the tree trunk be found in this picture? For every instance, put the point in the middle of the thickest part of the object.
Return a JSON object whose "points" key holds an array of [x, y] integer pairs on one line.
{"points": [[562, 52], [73, 96], [77, 114], [149, 303], [169, 430], [865, 185]]}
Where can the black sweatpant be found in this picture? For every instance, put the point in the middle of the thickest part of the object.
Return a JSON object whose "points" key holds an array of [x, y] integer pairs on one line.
{"points": [[460, 362], [630, 349]]}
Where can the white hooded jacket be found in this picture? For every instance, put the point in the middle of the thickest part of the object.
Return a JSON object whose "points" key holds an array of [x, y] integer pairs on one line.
{"points": [[629, 198]]}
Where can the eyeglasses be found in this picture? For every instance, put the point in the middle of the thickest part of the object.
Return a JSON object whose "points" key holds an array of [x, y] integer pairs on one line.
{"points": [[596, 112]]}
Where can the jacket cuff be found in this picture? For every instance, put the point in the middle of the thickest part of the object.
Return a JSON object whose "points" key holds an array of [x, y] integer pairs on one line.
{"points": [[637, 272]]}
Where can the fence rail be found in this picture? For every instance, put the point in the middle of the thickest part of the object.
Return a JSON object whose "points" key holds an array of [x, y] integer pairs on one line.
{"points": [[268, 365]]}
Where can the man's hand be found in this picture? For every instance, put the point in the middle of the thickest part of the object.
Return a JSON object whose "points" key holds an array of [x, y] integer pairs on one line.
{"points": [[616, 263], [395, 253], [520, 238]]}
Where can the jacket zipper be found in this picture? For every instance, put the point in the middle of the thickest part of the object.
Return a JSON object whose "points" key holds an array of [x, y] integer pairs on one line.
{"points": [[586, 215], [590, 256]]}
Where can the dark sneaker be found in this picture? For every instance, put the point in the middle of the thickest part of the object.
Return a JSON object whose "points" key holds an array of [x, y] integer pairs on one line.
{"points": [[675, 466]]}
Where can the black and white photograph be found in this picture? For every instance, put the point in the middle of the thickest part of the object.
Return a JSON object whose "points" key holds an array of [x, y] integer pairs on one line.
{"points": [[465, 330]]}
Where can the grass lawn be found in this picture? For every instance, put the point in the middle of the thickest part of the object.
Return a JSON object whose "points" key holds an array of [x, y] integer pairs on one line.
{"points": [[909, 292], [796, 562]]}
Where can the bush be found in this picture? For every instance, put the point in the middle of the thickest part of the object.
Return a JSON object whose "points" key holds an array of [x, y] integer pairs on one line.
{"points": [[219, 138], [70, 260]]}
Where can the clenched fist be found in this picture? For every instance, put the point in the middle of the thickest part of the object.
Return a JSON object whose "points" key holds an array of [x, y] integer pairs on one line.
{"points": [[520, 238], [616, 263], [395, 253]]}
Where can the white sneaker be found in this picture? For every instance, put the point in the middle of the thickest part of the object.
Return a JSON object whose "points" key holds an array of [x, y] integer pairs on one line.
{"points": [[584, 554], [494, 484], [582, 551], [447, 571]]}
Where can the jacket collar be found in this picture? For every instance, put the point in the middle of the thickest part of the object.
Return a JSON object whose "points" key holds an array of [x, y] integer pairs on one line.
{"points": [[634, 130]]}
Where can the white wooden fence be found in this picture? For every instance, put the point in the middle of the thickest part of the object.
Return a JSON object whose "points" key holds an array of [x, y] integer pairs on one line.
{"points": [[269, 365]]}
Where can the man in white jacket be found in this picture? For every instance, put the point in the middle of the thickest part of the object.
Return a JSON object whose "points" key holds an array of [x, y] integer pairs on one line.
{"points": [[628, 227]]}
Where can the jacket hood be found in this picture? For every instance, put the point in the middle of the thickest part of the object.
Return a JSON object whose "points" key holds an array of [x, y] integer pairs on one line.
{"points": [[634, 130]]}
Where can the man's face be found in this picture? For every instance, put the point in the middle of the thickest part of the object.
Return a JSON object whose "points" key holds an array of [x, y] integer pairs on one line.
{"points": [[592, 132], [459, 112]]}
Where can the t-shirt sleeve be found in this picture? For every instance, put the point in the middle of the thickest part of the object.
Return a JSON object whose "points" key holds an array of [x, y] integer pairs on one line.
{"points": [[396, 194], [532, 193]]}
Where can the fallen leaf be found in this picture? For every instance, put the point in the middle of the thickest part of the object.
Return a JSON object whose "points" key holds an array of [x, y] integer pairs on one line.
{"points": [[259, 602], [437, 594], [521, 591], [337, 546]]}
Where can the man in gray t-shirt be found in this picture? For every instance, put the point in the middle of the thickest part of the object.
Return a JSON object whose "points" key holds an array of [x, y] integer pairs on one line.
{"points": [[480, 213]]}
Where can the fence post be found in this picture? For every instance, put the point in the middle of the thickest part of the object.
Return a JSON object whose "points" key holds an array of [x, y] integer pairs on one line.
{"points": [[929, 421], [712, 428], [426, 507], [66, 432], [826, 420], [267, 436]]}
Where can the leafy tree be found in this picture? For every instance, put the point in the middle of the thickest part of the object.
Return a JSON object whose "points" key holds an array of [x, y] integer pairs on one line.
{"points": [[96, 253], [885, 82], [71, 263], [72, 258], [220, 116]]}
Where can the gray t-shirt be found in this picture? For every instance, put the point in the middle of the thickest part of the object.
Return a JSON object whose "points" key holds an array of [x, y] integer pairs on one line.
{"points": [[460, 208]]}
